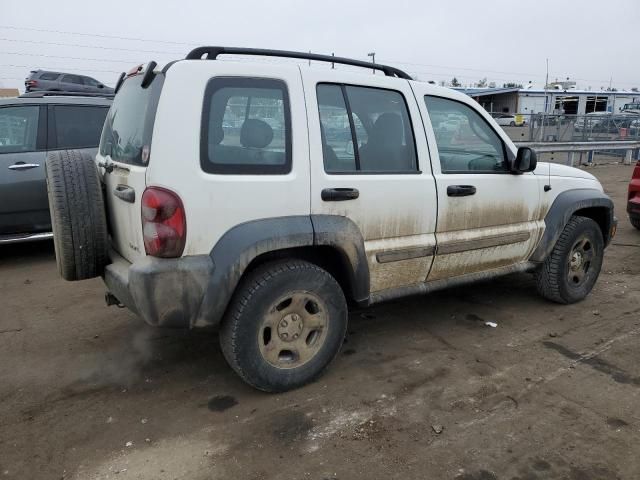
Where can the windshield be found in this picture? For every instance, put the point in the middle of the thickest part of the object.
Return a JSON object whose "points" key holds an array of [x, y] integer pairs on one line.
{"points": [[126, 136]]}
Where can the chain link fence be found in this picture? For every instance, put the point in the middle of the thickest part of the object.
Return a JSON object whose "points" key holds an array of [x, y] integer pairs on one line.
{"points": [[591, 127]]}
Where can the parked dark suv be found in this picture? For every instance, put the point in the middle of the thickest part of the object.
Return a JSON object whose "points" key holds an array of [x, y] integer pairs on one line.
{"points": [[30, 127], [43, 80]]}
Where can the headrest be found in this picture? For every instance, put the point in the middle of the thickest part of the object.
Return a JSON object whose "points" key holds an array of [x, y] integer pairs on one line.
{"points": [[255, 133], [388, 128]]}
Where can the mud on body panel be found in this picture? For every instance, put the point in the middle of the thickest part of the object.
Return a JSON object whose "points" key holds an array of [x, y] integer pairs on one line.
{"points": [[473, 251]]}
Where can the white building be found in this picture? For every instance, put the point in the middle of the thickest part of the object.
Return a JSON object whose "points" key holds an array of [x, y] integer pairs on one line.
{"points": [[568, 102]]}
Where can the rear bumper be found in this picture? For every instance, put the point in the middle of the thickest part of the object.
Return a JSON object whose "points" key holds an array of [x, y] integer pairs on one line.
{"points": [[164, 292]]}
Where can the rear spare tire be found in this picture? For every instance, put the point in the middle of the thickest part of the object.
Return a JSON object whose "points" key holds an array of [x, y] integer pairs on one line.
{"points": [[77, 214]]}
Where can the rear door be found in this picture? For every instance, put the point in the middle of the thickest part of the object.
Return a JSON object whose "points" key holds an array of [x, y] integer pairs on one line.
{"points": [[125, 145], [487, 217], [23, 192], [370, 163]]}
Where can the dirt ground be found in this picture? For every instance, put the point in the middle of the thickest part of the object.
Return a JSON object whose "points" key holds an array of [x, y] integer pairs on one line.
{"points": [[422, 389]]}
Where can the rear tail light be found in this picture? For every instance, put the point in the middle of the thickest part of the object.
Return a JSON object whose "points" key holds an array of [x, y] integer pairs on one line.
{"points": [[31, 83], [164, 225]]}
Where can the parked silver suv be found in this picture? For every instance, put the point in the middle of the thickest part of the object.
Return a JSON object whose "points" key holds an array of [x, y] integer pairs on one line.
{"points": [[43, 80]]}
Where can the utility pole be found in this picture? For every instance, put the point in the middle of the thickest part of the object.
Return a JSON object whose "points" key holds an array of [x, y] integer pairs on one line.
{"points": [[546, 82], [333, 65], [373, 59]]}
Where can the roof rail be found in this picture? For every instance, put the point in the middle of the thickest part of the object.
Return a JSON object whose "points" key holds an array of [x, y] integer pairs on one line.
{"points": [[65, 94], [213, 52]]}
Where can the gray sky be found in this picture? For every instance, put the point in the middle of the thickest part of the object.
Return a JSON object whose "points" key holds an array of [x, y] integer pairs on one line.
{"points": [[589, 41]]}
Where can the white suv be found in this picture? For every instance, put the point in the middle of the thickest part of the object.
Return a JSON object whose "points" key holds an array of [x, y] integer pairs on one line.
{"points": [[266, 198]]}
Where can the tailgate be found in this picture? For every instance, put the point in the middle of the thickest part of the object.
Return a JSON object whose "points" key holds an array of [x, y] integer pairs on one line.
{"points": [[125, 149]]}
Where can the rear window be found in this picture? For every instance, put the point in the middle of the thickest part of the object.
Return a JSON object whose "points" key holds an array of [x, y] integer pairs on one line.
{"points": [[126, 136], [77, 126]]}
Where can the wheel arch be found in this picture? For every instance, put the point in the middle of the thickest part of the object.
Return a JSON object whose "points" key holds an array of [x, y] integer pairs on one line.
{"points": [[590, 203], [334, 244]]}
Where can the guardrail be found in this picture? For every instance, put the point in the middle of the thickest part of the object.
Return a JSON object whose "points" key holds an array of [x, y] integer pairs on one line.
{"points": [[573, 147]]}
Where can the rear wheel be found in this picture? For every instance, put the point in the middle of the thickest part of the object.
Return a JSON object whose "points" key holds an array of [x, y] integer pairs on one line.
{"points": [[571, 270], [285, 324], [635, 221], [77, 212]]}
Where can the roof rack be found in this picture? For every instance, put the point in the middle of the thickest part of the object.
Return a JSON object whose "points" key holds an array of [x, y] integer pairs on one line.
{"points": [[65, 94], [213, 52]]}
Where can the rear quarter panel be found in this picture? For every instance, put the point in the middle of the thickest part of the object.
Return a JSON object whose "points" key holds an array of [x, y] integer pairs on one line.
{"points": [[215, 203]]}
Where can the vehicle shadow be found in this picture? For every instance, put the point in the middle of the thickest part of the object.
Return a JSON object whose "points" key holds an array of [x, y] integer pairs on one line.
{"points": [[16, 253], [375, 332]]}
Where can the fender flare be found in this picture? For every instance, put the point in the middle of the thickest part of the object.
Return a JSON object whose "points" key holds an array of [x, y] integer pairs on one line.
{"points": [[239, 246], [561, 210], [344, 235]]}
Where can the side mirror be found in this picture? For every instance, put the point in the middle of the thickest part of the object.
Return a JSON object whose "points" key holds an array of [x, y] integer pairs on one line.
{"points": [[100, 86], [526, 161]]}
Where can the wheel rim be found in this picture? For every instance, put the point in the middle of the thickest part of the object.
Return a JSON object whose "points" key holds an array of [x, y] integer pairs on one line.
{"points": [[580, 261], [294, 330]]}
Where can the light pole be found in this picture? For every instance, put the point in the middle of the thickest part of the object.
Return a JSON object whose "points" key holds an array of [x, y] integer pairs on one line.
{"points": [[373, 59]]}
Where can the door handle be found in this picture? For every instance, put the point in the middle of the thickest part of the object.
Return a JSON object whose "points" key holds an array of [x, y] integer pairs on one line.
{"points": [[339, 194], [125, 192], [23, 166], [460, 190]]}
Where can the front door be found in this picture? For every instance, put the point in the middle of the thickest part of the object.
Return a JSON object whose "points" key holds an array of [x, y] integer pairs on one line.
{"points": [[370, 164], [23, 191], [487, 217]]}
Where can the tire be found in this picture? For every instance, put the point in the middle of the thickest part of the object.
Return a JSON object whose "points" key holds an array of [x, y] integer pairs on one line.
{"points": [[512, 124], [570, 271], [635, 222], [276, 345], [78, 218]]}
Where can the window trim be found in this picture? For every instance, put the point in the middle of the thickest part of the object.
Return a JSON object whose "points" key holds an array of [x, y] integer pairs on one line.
{"points": [[505, 156], [216, 83], [345, 97]]}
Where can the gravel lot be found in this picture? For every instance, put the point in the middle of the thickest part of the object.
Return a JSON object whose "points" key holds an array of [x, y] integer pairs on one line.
{"points": [[422, 389]]}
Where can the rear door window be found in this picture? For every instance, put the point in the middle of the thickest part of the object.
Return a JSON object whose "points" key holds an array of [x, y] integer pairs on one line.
{"points": [[126, 136], [77, 126], [49, 76], [72, 79], [365, 129], [91, 82], [19, 128], [246, 127]]}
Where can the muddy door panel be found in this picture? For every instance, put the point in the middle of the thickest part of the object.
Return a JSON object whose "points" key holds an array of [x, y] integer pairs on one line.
{"points": [[487, 217], [371, 164]]}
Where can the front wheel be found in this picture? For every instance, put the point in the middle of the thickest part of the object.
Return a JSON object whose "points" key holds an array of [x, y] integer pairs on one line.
{"points": [[571, 270], [285, 324], [635, 222]]}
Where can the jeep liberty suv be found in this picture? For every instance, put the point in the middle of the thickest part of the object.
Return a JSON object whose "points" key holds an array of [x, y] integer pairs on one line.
{"points": [[266, 198]]}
